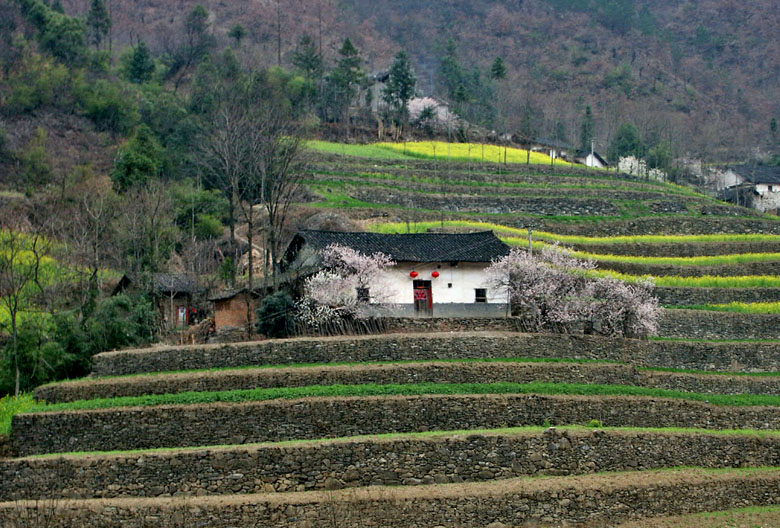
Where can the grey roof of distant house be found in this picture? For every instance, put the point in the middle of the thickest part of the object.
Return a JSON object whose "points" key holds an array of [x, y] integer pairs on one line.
{"points": [[421, 247], [162, 283], [758, 173]]}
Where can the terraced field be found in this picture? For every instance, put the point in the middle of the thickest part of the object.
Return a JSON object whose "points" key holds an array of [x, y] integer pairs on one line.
{"points": [[443, 422], [596, 432]]}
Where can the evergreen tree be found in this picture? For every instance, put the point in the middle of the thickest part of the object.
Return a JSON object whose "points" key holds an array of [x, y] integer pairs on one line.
{"points": [[450, 71], [343, 82], [139, 161], [498, 69], [99, 22], [400, 86], [773, 127], [626, 143], [237, 33], [586, 131], [306, 57], [140, 67], [57, 6]]}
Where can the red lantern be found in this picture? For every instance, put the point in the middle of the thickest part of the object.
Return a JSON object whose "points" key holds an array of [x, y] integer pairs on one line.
{"points": [[435, 274], [413, 274]]}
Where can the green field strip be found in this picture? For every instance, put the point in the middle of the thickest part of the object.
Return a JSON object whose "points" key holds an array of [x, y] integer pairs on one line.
{"points": [[704, 281], [735, 307], [575, 361], [339, 200], [389, 437], [705, 261], [369, 179], [318, 185], [368, 390]]}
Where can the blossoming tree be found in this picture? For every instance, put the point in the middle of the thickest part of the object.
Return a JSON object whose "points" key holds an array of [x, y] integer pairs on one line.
{"points": [[352, 285], [552, 291]]}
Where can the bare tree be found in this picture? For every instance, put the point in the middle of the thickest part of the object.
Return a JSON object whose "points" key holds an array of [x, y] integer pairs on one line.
{"points": [[21, 281], [251, 149]]}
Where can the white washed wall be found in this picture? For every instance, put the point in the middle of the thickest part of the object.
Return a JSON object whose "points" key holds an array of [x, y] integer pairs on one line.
{"points": [[464, 278]]}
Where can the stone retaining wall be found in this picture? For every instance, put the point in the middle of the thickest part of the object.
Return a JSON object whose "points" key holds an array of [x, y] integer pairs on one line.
{"points": [[432, 339], [587, 501], [688, 249], [6, 449], [732, 270], [382, 462], [444, 372], [351, 375], [700, 324], [692, 296], [491, 204], [311, 418]]}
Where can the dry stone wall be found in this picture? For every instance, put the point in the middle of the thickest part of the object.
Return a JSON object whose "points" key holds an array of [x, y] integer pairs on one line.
{"points": [[312, 418], [735, 270], [688, 249], [404, 461], [442, 372], [444, 339], [491, 204], [351, 375], [599, 501], [693, 296]]}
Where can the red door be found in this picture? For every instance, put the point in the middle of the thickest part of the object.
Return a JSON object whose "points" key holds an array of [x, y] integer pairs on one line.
{"points": [[423, 298]]}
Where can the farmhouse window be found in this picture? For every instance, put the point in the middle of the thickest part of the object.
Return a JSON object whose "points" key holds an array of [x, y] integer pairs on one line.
{"points": [[480, 295]]}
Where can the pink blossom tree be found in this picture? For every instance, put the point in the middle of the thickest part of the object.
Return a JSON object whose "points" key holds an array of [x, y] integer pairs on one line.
{"points": [[551, 291], [352, 285]]}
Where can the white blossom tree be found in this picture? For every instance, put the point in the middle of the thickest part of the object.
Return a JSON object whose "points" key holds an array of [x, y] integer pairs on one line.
{"points": [[552, 291], [352, 285]]}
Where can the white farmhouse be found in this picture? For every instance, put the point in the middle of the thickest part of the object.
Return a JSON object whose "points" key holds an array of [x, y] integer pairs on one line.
{"points": [[436, 274], [756, 186]]}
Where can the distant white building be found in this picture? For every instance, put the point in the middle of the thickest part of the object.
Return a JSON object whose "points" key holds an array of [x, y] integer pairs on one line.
{"points": [[436, 274], [756, 186], [591, 159]]}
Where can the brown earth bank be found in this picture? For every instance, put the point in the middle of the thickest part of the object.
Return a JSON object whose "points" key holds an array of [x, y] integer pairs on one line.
{"points": [[478, 456], [310, 418], [431, 372], [429, 339], [594, 500]]}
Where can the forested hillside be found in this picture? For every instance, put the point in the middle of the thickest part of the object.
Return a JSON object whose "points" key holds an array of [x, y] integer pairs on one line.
{"points": [[702, 75]]}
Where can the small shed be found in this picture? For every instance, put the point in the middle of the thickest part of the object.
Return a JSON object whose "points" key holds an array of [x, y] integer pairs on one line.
{"points": [[174, 294], [230, 308]]}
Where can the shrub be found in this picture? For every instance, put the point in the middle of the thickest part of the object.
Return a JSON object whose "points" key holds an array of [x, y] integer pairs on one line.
{"points": [[276, 315], [110, 107]]}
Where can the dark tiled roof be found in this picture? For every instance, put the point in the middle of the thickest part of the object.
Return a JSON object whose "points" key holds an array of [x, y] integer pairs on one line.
{"points": [[162, 283], [423, 247], [554, 143], [758, 173]]}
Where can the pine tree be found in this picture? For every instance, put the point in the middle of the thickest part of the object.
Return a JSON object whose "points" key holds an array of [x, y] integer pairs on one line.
{"points": [[141, 66], [99, 22], [237, 33], [498, 69], [307, 58], [400, 86], [343, 82]]}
